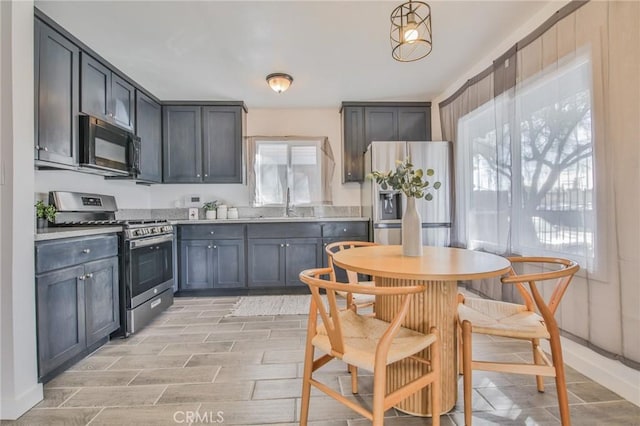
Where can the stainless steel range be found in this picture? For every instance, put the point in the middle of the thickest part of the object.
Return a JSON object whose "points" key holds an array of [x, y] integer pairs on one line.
{"points": [[147, 255]]}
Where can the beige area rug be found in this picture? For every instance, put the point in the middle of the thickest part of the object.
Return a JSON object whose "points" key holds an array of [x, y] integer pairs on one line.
{"points": [[251, 306]]}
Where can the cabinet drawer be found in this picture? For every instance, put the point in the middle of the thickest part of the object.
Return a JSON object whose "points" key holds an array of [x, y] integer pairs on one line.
{"points": [[58, 254], [344, 229], [284, 230], [207, 232]]}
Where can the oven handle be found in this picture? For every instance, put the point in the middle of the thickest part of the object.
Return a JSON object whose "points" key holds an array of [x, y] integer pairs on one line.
{"points": [[150, 241]]}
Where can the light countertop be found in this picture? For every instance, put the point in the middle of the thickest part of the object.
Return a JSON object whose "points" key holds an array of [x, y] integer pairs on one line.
{"points": [[54, 233], [268, 220]]}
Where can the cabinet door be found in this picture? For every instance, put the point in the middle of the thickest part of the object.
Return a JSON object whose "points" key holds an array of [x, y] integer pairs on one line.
{"points": [[222, 144], [182, 143], [95, 88], [196, 265], [354, 144], [341, 275], [60, 316], [414, 124], [302, 253], [57, 83], [122, 102], [149, 129], [381, 124], [101, 298], [266, 266], [228, 264]]}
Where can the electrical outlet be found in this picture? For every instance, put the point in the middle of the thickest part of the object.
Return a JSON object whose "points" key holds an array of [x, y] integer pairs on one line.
{"points": [[193, 213]]}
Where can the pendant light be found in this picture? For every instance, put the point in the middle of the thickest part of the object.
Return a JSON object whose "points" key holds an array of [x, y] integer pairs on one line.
{"points": [[411, 31], [279, 82]]}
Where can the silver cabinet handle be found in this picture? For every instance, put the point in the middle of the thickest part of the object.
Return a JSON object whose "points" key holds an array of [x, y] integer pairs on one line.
{"points": [[212, 232], [151, 248], [205, 175], [157, 247], [86, 251], [198, 175], [281, 245], [344, 230], [325, 244], [208, 247], [89, 275], [46, 149], [215, 247], [82, 277], [287, 244]]}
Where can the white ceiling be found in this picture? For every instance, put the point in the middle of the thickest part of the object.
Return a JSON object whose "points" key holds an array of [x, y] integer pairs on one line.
{"points": [[335, 50]]}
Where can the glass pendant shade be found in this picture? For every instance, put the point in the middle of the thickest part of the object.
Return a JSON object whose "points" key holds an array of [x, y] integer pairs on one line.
{"points": [[411, 31], [279, 82]]}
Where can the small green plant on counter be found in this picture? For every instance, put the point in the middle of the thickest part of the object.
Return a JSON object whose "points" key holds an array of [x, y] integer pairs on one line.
{"points": [[210, 205], [407, 180], [44, 211]]}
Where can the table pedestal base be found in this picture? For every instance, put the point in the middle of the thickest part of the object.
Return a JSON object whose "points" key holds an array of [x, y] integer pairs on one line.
{"points": [[435, 307]]}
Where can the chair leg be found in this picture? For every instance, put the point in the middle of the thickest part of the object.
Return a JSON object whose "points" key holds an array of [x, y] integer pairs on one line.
{"points": [[561, 383], [460, 363], [436, 389], [354, 378], [379, 385], [467, 375], [306, 384], [537, 359]]}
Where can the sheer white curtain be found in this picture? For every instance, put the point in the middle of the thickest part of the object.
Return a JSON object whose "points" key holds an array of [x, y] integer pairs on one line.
{"points": [[547, 151]]}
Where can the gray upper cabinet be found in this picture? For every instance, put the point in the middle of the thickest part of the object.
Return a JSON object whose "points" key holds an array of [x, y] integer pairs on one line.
{"points": [[414, 124], [222, 144], [57, 67], [202, 144], [381, 124], [353, 132], [182, 143], [149, 129], [364, 122], [105, 95]]}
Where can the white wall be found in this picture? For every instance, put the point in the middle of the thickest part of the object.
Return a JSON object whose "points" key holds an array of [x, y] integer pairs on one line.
{"points": [[271, 122], [128, 194], [19, 387]]}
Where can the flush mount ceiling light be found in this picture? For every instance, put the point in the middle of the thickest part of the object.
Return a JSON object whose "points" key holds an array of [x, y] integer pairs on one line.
{"points": [[411, 31], [279, 82]]}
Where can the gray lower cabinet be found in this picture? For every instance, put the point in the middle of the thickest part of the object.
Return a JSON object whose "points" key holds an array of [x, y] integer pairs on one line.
{"points": [[57, 73], [77, 295], [276, 262], [60, 316], [342, 231], [212, 264], [101, 298]]}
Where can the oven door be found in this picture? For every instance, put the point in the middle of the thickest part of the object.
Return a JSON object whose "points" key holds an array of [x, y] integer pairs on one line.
{"points": [[150, 268]]}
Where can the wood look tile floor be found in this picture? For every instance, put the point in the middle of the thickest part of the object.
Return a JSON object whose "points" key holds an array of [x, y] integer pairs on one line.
{"points": [[247, 371]]}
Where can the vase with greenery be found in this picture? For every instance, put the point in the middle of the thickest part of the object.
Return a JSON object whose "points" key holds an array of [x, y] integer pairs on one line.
{"points": [[210, 209], [45, 213], [413, 183]]}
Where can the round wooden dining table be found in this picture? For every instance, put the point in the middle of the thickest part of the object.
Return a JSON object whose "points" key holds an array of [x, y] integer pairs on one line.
{"points": [[438, 269]]}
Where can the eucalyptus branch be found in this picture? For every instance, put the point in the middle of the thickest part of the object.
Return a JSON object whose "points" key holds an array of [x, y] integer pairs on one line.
{"points": [[407, 180]]}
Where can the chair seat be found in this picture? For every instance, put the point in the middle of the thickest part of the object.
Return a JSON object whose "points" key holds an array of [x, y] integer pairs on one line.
{"points": [[361, 335], [502, 319], [361, 299]]}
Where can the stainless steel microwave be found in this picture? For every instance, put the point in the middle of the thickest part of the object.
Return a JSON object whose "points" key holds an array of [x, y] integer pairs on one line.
{"points": [[106, 149]]}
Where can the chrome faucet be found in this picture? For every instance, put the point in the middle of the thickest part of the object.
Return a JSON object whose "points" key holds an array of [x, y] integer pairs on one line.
{"points": [[289, 211]]}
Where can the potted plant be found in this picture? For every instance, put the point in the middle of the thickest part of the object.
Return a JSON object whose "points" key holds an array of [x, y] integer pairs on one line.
{"points": [[210, 209], [45, 213], [414, 184]]}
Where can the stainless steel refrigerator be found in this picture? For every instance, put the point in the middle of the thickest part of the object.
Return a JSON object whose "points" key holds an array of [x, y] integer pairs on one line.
{"points": [[385, 208]]}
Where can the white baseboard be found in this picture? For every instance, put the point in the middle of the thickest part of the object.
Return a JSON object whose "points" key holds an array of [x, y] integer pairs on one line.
{"points": [[12, 408], [617, 377]]}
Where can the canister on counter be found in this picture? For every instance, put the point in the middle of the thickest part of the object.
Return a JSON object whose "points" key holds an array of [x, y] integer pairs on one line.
{"points": [[222, 211], [232, 213]]}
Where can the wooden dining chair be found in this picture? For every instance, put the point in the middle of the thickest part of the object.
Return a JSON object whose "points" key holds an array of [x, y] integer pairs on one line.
{"points": [[357, 300], [523, 322], [365, 342]]}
